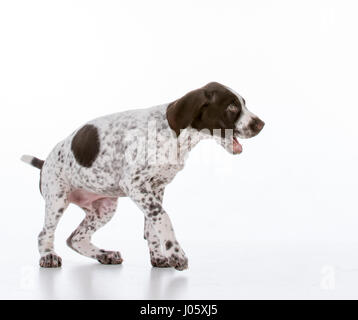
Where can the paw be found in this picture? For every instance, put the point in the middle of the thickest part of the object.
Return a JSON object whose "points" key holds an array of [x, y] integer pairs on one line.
{"points": [[109, 257], [178, 261], [51, 260], [160, 262]]}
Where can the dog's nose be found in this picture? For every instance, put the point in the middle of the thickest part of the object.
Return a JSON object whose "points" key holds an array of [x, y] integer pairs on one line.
{"points": [[257, 125]]}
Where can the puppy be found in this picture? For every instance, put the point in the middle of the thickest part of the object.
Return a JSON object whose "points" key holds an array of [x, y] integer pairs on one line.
{"points": [[135, 154]]}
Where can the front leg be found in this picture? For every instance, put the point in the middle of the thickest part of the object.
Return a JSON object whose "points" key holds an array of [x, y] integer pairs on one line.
{"points": [[157, 258], [158, 221]]}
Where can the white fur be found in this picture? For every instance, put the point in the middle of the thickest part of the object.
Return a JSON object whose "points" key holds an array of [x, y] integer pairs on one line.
{"points": [[139, 155]]}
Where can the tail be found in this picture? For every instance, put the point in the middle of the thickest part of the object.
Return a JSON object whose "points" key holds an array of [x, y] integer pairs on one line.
{"points": [[37, 163]]}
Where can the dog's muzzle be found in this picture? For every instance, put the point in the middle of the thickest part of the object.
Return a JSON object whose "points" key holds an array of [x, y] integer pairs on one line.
{"points": [[251, 130]]}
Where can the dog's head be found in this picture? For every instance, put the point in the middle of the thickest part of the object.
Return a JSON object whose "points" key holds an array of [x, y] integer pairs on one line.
{"points": [[217, 110]]}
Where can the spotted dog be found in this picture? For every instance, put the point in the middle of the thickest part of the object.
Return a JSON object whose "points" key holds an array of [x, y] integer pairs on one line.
{"points": [[134, 154]]}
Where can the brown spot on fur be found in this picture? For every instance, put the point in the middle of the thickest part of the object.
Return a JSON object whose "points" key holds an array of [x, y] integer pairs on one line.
{"points": [[37, 163], [85, 145], [168, 245]]}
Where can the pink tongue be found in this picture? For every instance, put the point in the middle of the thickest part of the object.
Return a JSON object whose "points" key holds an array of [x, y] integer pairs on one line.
{"points": [[237, 147]]}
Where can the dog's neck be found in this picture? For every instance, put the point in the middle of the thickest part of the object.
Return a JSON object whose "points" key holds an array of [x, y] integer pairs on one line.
{"points": [[187, 140], [183, 143]]}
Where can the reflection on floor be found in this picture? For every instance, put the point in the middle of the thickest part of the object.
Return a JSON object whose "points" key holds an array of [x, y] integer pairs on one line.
{"points": [[224, 271]]}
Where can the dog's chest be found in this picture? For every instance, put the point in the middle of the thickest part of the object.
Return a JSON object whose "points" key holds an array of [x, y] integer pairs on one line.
{"points": [[165, 173]]}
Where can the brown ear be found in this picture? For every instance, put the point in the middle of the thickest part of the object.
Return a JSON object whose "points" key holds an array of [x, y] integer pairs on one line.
{"points": [[182, 112]]}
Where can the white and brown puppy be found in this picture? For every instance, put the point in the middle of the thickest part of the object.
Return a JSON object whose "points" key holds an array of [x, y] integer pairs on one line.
{"points": [[134, 153]]}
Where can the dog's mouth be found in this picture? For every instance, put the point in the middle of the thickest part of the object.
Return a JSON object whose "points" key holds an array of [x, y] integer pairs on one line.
{"points": [[236, 146], [231, 143]]}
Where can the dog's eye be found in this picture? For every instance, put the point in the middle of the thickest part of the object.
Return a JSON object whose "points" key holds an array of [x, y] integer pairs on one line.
{"points": [[232, 108]]}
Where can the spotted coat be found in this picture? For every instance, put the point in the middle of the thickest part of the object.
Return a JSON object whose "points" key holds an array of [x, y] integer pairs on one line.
{"points": [[136, 154]]}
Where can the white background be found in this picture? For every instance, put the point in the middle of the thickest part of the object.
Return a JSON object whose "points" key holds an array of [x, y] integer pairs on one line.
{"points": [[278, 221]]}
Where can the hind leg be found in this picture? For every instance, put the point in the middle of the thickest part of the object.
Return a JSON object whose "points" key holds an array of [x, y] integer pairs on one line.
{"points": [[97, 215], [56, 204]]}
